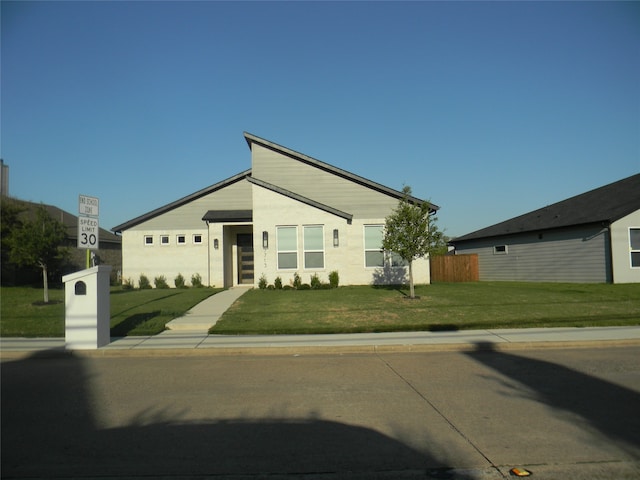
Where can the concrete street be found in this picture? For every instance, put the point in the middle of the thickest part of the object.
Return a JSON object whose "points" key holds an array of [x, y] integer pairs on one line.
{"points": [[570, 413]]}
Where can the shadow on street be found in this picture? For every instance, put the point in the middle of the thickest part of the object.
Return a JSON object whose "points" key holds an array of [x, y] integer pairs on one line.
{"points": [[602, 405], [49, 429]]}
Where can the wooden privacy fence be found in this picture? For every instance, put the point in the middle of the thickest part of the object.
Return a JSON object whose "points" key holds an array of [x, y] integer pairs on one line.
{"points": [[454, 268]]}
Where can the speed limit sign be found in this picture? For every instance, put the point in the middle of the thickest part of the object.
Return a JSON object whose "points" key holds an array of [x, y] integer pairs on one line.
{"points": [[88, 232], [88, 223]]}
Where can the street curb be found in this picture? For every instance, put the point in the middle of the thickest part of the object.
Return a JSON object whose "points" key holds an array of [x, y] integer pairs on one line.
{"points": [[312, 350]]}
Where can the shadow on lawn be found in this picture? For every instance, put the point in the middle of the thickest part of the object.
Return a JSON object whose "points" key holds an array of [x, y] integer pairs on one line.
{"points": [[50, 428], [130, 323]]}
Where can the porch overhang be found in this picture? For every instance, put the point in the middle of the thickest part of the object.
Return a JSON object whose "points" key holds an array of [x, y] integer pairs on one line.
{"points": [[228, 216]]}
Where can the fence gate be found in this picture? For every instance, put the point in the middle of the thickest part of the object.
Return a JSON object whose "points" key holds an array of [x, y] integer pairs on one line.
{"points": [[454, 268]]}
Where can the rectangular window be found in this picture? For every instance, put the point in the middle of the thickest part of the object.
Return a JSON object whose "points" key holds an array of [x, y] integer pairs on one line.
{"points": [[313, 246], [148, 240], [373, 254], [634, 247], [164, 239], [397, 261], [181, 239], [287, 240], [500, 250], [197, 238]]}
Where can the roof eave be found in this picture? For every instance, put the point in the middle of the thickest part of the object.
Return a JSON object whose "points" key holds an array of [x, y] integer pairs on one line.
{"points": [[200, 193], [250, 139]]}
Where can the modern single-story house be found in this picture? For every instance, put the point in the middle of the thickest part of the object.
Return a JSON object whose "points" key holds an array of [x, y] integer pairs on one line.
{"points": [[289, 213], [592, 237]]}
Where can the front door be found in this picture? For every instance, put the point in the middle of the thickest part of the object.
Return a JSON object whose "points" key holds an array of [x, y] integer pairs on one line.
{"points": [[245, 258]]}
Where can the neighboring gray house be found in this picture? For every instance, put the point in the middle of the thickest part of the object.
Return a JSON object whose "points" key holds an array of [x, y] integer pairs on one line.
{"points": [[592, 237]]}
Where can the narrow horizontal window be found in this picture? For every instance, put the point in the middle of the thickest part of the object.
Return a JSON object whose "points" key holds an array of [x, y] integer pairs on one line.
{"points": [[500, 250]]}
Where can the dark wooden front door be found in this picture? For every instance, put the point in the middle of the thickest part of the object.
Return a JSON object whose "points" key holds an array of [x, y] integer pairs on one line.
{"points": [[245, 258]]}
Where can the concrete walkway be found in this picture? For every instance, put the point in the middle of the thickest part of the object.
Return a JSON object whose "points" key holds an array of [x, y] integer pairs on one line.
{"points": [[205, 314]]}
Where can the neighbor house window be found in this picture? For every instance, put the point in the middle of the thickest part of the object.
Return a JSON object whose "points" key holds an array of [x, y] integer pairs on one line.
{"points": [[634, 247], [197, 238], [500, 250], [164, 239], [148, 240], [287, 245], [181, 239], [313, 246], [373, 254]]}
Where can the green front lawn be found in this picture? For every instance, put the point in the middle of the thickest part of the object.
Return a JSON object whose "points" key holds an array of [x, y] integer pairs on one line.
{"points": [[133, 312], [442, 306]]}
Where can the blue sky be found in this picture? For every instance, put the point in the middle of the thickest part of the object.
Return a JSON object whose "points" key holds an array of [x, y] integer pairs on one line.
{"points": [[488, 109]]}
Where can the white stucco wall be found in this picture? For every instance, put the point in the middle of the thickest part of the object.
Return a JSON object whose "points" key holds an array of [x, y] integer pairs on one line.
{"points": [[272, 209], [168, 260], [620, 247]]}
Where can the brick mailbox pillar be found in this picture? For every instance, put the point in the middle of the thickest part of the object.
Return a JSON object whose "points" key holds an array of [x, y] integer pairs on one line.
{"points": [[87, 308]]}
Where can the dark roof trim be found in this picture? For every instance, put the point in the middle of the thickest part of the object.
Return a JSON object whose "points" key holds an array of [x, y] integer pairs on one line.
{"points": [[250, 138], [228, 216], [603, 205], [182, 201], [300, 198]]}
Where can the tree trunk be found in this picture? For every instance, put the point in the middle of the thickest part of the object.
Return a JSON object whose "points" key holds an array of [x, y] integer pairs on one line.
{"points": [[45, 282], [412, 293]]}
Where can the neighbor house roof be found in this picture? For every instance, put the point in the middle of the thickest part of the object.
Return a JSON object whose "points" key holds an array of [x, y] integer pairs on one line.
{"points": [[601, 205], [251, 139], [69, 220]]}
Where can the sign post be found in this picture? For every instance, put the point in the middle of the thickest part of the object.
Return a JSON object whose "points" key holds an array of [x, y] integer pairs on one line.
{"points": [[88, 225]]}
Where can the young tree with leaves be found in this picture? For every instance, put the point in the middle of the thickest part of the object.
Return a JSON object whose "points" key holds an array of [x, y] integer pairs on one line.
{"points": [[37, 242], [411, 232]]}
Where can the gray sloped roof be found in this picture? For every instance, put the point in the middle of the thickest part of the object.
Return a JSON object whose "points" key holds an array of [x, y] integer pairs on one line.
{"points": [[251, 139], [181, 201], [605, 204]]}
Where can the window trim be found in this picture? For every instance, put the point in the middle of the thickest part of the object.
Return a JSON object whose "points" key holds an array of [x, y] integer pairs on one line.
{"points": [[184, 239], [148, 240], [305, 250], [278, 251], [195, 242], [497, 250], [364, 244], [631, 249], [162, 240]]}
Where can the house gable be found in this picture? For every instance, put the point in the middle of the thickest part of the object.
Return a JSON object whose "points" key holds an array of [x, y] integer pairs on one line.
{"points": [[230, 192], [320, 181]]}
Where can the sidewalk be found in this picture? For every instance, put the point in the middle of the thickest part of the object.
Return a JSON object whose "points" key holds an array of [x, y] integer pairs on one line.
{"points": [[188, 335], [193, 343]]}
